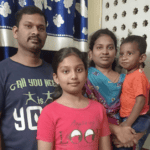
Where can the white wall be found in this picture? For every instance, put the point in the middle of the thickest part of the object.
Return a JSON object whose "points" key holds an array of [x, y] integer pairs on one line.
{"points": [[94, 15], [127, 21]]}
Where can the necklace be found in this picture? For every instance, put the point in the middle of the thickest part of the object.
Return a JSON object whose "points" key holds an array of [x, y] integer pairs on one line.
{"points": [[116, 79]]}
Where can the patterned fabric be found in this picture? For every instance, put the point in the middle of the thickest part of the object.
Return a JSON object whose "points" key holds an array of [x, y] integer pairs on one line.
{"points": [[66, 22], [100, 88]]}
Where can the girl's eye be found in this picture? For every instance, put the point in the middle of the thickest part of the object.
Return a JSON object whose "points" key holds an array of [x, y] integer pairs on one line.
{"points": [[66, 71], [79, 69], [121, 54], [110, 47], [99, 47]]}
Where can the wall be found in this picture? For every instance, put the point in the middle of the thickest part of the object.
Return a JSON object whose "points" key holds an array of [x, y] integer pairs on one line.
{"points": [[125, 17], [94, 15]]}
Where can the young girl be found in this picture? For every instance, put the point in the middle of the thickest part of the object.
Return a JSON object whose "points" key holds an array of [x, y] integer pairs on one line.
{"points": [[72, 122], [135, 90], [104, 84]]}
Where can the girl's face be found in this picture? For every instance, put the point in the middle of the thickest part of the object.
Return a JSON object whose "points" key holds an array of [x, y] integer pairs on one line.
{"points": [[71, 75], [130, 57], [104, 52]]}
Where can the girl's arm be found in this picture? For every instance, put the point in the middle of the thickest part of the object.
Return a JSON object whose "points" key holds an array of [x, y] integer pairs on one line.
{"points": [[104, 143], [139, 104], [42, 145]]}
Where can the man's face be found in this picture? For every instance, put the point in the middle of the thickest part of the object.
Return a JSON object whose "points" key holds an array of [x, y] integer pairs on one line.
{"points": [[31, 33]]}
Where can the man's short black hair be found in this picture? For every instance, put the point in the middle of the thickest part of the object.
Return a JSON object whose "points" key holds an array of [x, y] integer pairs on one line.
{"points": [[28, 10]]}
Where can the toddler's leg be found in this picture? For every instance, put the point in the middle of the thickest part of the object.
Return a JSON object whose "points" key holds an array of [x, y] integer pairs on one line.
{"points": [[142, 140], [142, 124]]}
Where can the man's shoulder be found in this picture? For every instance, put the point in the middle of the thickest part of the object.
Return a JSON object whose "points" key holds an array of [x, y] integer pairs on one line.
{"points": [[46, 63], [4, 63], [47, 66]]}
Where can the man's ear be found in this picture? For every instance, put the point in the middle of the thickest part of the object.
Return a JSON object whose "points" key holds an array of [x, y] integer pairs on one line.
{"points": [[15, 31], [55, 78], [90, 54], [142, 58]]}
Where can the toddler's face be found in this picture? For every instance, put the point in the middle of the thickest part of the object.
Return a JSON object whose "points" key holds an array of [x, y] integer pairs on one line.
{"points": [[130, 56]]}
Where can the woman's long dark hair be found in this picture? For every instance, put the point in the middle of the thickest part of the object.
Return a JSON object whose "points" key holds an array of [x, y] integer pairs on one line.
{"points": [[59, 57]]}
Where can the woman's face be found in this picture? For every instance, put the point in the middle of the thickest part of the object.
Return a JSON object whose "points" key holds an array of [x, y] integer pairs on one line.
{"points": [[104, 52]]}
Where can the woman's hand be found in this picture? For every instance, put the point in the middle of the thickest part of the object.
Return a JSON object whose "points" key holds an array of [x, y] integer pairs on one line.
{"points": [[130, 143], [118, 144], [125, 134]]}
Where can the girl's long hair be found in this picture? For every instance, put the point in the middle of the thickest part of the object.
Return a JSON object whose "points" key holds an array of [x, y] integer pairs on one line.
{"points": [[59, 57]]}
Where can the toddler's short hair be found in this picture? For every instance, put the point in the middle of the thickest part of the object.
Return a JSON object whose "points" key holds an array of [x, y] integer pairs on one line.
{"points": [[142, 44]]}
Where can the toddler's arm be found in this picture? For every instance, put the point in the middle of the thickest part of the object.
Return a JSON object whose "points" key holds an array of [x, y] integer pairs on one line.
{"points": [[139, 104], [42, 145], [104, 143]]}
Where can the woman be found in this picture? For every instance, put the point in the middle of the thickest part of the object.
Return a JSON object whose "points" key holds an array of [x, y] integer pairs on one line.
{"points": [[104, 84]]}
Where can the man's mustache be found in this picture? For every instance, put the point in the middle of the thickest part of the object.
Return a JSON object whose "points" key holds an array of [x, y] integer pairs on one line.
{"points": [[35, 38]]}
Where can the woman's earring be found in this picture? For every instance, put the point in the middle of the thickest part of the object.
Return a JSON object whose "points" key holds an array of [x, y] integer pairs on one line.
{"points": [[56, 83]]}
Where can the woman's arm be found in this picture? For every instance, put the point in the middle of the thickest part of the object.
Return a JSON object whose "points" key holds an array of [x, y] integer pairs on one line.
{"points": [[104, 143], [42, 145]]}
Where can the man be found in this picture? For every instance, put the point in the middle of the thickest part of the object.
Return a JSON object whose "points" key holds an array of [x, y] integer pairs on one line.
{"points": [[26, 82]]}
